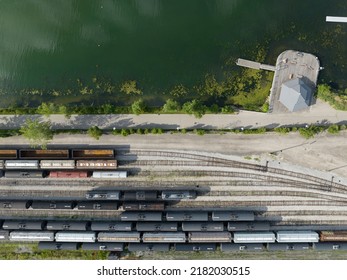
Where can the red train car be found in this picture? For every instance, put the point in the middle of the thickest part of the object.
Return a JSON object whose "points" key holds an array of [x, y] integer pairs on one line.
{"points": [[68, 174]]}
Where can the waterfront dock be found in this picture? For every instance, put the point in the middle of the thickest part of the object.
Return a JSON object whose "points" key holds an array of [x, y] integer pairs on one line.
{"points": [[336, 19], [254, 65]]}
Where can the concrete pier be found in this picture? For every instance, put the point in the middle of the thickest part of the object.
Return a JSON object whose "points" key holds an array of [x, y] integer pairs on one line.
{"points": [[336, 19], [254, 65]]}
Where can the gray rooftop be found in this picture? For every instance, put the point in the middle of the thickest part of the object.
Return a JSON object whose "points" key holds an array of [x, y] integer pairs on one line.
{"points": [[295, 95]]}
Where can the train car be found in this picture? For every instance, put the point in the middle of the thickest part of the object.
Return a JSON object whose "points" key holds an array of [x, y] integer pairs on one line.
{"points": [[57, 164], [247, 226], [288, 247], [119, 237], [254, 247], [187, 216], [60, 205], [254, 237], [15, 204], [333, 236], [107, 195], [68, 174], [202, 237], [111, 226], [141, 195], [23, 225], [23, 174], [147, 247], [164, 237], [97, 205], [22, 164], [92, 154], [58, 246], [111, 246], [8, 154], [1, 173], [197, 226], [67, 225], [75, 236], [208, 247], [43, 154], [96, 164], [4, 235], [143, 206], [33, 236], [178, 195], [297, 236], [226, 216], [2, 164], [153, 226], [327, 246], [141, 216], [110, 174]]}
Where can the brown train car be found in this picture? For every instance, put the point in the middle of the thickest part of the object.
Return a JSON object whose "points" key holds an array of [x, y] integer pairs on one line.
{"points": [[44, 154], [8, 154], [333, 236], [96, 164], [143, 206], [92, 154], [68, 174]]}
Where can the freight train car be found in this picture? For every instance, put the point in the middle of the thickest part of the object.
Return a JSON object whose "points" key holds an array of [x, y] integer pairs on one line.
{"points": [[92, 154], [58, 246], [8, 154], [44, 154], [208, 247], [232, 216], [325, 246], [119, 237], [23, 225], [153, 226], [23, 174], [254, 247], [141, 216], [333, 236], [187, 216], [31, 236], [164, 237], [288, 247], [61, 205], [75, 236], [4, 235], [196, 226], [111, 246], [178, 195], [96, 164], [202, 237], [297, 236], [111, 226], [15, 204], [141, 195], [143, 206], [68, 174], [57, 164], [108, 195], [254, 237], [110, 174], [67, 225], [247, 226], [147, 247], [97, 205], [22, 164]]}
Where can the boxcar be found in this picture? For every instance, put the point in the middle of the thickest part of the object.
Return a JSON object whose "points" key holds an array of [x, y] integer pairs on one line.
{"points": [[119, 237], [333, 236], [92, 154], [52, 205], [164, 237], [97, 205], [96, 164], [197, 226], [111, 246], [22, 164], [297, 236], [110, 174], [153, 226], [254, 237], [209, 237], [247, 226], [288, 247], [195, 247], [115, 195], [141, 195], [111, 226], [31, 236], [43, 154], [4, 235], [224, 247], [15, 204], [325, 246], [187, 216], [157, 247], [57, 164], [178, 195], [57, 246], [143, 206], [8, 154], [68, 174], [141, 216], [23, 174], [66, 225], [24, 225], [2, 164], [75, 236], [232, 216]]}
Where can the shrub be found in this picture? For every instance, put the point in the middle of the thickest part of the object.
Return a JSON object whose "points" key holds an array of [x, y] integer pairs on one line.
{"points": [[139, 131], [333, 129], [124, 132], [282, 130], [94, 132]]}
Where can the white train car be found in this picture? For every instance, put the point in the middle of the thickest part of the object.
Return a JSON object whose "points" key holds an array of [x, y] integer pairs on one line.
{"points": [[297, 236], [254, 237], [77, 236], [57, 164], [19, 164], [110, 174], [31, 236]]}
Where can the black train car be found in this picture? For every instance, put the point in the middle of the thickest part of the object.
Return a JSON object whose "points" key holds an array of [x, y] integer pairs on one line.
{"points": [[15, 204], [66, 225], [288, 247], [232, 216], [58, 246], [111, 226], [60, 205], [23, 225], [100, 246], [153, 226], [143, 206], [97, 205], [327, 246], [23, 174], [248, 226], [4, 235], [141, 216], [187, 216], [141, 195], [196, 226], [225, 247], [195, 247], [163, 247]]}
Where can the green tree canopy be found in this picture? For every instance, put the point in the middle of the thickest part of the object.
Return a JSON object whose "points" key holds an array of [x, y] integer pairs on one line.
{"points": [[129, 87], [94, 132], [138, 107], [195, 108], [171, 106], [38, 133]]}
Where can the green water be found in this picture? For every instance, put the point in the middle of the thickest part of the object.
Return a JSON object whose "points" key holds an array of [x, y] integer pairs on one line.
{"points": [[49, 44]]}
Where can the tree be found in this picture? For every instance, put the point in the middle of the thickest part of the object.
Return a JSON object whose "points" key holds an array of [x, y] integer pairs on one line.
{"points": [[171, 106], [138, 107], [129, 87], [195, 108], [62, 109], [38, 133], [94, 132], [47, 109]]}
